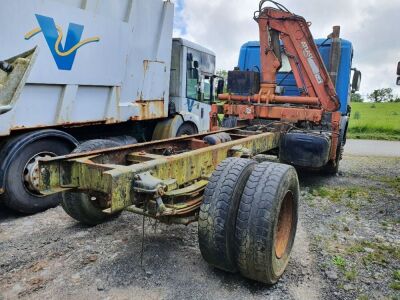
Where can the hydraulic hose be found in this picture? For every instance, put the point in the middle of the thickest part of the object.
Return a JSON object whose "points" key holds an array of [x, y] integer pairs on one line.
{"points": [[262, 2], [6, 67]]}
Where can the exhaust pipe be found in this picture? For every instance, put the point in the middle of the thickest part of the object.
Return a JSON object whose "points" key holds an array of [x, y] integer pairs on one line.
{"points": [[6, 67]]}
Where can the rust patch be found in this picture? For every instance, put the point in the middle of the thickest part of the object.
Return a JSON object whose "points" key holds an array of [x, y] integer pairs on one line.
{"points": [[150, 110], [284, 226], [67, 124], [198, 144]]}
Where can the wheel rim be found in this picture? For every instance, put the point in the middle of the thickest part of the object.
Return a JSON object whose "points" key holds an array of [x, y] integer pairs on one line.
{"points": [[31, 173], [284, 226]]}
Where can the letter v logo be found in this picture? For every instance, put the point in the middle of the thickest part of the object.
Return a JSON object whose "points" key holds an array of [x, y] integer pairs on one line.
{"points": [[64, 56]]}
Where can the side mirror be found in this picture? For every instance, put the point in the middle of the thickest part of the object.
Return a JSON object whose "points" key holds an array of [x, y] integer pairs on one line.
{"points": [[220, 86], [398, 69], [356, 84], [398, 81]]}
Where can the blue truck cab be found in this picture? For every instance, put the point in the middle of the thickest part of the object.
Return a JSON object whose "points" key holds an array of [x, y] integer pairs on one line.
{"points": [[249, 60], [300, 148]]}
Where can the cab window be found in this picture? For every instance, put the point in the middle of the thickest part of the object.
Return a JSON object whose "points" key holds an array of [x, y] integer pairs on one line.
{"points": [[199, 67], [286, 67], [192, 75]]}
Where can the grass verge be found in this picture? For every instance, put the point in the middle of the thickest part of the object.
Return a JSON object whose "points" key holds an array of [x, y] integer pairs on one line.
{"points": [[375, 121]]}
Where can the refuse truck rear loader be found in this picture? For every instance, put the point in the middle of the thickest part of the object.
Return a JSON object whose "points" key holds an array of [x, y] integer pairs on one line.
{"points": [[93, 69], [246, 206]]}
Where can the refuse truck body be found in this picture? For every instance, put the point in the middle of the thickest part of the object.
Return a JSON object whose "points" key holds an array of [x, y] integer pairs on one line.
{"points": [[92, 69]]}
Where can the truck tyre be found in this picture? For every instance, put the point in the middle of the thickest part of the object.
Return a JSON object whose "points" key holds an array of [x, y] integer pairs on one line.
{"points": [[187, 129], [83, 207], [332, 167], [21, 179], [124, 140], [219, 210], [266, 222]]}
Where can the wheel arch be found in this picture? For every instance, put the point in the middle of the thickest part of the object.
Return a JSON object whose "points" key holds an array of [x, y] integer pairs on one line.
{"points": [[191, 118], [15, 144], [192, 124]]}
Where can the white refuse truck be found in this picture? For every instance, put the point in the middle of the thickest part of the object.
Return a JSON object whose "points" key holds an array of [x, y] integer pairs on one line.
{"points": [[92, 69]]}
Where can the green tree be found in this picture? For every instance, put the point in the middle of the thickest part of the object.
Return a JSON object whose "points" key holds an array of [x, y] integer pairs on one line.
{"points": [[223, 74], [356, 97], [381, 95]]}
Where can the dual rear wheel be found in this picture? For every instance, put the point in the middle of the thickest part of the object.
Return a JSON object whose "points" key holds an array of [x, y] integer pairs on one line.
{"points": [[248, 218]]}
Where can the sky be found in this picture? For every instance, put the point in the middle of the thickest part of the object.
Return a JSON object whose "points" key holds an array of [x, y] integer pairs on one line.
{"points": [[373, 26]]}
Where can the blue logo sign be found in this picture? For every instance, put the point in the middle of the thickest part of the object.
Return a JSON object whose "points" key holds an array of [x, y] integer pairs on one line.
{"points": [[190, 104], [64, 56]]}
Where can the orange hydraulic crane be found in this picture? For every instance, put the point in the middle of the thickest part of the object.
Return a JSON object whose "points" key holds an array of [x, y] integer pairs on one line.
{"points": [[318, 103]]}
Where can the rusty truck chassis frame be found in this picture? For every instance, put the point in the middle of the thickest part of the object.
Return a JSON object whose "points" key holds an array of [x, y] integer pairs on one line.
{"points": [[163, 180]]}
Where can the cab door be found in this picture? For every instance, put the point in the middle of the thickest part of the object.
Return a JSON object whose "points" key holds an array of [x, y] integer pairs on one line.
{"points": [[199, 90]]}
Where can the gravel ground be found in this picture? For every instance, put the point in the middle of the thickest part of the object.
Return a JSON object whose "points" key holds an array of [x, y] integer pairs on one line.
{"points": [[347, 247]]}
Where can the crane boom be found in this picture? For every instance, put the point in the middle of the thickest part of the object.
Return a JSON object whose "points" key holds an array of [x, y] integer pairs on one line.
{"points": [[309, 70]]}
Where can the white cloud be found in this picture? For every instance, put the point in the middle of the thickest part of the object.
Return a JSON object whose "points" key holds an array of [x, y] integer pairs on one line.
{"points": [[371, 25], [179, 21]]}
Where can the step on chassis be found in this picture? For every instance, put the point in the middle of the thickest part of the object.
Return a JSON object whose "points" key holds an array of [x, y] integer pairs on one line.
{"points": [[246, 210]]}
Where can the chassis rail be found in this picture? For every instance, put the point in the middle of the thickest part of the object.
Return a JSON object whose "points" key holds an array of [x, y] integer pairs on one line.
{"points": [[162, 179]]}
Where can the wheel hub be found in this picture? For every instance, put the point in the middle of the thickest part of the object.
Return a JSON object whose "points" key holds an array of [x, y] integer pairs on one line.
{"points": [[31, 172], [284, 227]]}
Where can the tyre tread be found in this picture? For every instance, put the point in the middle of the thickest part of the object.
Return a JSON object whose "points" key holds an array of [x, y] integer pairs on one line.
{"points": [[256, 216], [219, 210]]}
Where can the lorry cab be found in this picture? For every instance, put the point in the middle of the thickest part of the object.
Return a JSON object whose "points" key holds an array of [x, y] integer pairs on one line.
{"points": [[192, 81], [249, 60]]}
